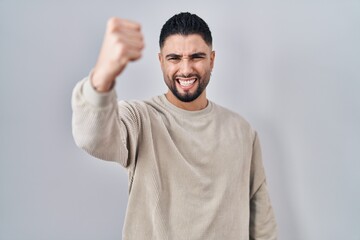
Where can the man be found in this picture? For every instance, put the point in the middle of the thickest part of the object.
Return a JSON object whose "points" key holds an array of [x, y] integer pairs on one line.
{"points": [[195, 168]]}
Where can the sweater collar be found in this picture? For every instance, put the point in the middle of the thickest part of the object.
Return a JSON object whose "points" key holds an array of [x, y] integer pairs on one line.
{"points": [[176, 110]]}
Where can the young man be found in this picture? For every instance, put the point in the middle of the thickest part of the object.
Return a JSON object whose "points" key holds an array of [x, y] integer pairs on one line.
{"points": [[195, 168]]}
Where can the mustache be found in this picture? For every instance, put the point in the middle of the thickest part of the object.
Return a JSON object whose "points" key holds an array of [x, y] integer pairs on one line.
{"points": [[191, 75]]}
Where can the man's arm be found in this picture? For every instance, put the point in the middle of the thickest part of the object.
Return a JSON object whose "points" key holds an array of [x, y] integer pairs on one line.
{"points": [[262, 219], [101, 126]]}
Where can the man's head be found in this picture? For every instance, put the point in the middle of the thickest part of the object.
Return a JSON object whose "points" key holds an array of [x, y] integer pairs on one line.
{"points": [[186, 58], [185, 24]]}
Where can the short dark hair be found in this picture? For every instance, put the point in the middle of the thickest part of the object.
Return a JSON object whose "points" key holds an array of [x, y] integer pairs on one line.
{"points": [[185, 24]]}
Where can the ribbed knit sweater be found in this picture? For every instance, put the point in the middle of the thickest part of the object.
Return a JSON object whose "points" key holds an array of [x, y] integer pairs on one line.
{"points": [[193, 175]]}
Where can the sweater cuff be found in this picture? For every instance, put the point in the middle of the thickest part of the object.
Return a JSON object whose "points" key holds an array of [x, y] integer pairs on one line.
{"points": [[97, 99]]}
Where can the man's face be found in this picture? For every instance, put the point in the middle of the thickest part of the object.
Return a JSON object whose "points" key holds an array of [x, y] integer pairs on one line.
{"points": [[186, 62]]}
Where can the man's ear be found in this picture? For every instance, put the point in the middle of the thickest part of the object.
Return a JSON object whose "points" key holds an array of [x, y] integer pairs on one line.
{"points": [[161, 60], [212, 59]]}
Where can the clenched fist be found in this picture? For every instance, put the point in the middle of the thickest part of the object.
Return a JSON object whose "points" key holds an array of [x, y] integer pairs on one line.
{"points": [[123, 42]]}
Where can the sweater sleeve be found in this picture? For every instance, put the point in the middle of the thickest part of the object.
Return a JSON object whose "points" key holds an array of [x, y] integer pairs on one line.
{"points": [[262, 220], [101, 126]]}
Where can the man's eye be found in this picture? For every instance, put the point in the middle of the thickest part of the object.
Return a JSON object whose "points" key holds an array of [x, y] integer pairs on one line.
{"points": [[173, 59], [197, 57]]}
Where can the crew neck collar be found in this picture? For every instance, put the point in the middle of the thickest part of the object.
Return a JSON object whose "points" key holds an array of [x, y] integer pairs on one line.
{"points": [[198, 113]]}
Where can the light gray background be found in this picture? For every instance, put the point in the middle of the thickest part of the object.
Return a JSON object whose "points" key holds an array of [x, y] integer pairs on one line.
{"points": [[290, 67]]}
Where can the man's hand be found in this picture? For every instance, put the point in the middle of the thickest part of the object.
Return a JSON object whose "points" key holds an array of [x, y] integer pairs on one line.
{"points": [[123, 42]]}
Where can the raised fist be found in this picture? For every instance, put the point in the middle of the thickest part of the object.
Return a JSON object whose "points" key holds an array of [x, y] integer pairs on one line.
{"points": [[123, 42]]}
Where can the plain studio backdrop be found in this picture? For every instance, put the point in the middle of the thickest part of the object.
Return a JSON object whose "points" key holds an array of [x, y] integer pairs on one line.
{"points": [[291, 68]]}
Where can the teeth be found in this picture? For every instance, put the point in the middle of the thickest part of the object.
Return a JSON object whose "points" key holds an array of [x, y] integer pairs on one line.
{"points": [[186, 83]]}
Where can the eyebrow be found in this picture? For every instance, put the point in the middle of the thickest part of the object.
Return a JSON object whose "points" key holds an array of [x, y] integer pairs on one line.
{"points": [[193, 55]]}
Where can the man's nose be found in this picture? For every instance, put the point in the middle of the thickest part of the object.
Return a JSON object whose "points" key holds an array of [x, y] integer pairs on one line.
{"points": [[186, 67]]}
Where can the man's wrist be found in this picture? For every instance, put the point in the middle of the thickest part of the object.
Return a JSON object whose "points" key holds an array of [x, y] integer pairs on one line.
{"points": [[101, 86]]}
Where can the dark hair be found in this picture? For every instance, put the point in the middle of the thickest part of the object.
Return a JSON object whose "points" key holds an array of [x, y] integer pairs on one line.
{"points": [[185, 24]]}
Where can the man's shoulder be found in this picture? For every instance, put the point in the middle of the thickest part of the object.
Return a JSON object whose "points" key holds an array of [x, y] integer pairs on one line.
{"points": [[229, 116]]}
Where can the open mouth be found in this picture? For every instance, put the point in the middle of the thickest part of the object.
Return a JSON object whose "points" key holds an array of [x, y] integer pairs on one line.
{"points": [[186, 83]]}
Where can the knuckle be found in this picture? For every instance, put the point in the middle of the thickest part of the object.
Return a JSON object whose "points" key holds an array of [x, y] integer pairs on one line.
{"points": [[138, 26], [112, 23], [138, 56]]}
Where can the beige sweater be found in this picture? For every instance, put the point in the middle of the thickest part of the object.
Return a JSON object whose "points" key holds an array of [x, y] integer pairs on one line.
{"points": [[192, 174]]}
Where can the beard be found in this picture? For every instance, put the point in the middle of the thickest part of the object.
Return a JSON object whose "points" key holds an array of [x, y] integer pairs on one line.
{"points": [[188, 96]]}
